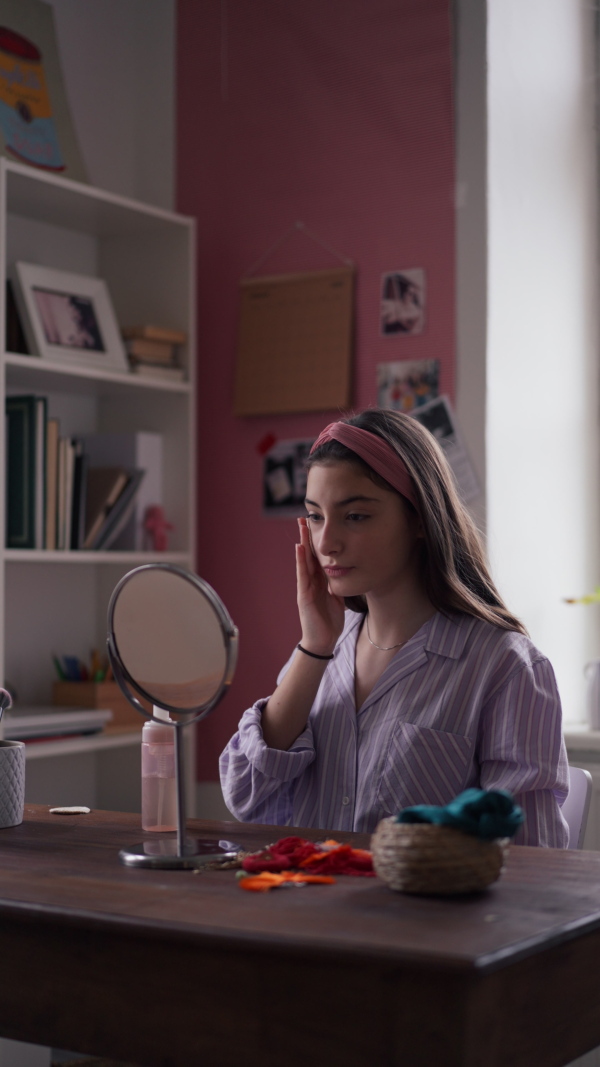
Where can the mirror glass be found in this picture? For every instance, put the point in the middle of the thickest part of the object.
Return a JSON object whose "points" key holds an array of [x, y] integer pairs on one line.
{"points": [[173, 637]]}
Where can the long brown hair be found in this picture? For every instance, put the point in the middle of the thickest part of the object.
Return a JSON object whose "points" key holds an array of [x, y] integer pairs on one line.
{"points": [[454, 570]]}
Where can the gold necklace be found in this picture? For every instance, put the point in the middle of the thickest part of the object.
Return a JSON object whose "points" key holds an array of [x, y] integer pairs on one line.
{"points": [[381, 647]]}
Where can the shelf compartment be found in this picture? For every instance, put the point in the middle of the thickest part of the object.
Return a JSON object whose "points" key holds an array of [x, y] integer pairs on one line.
{"points": [[145, 254]]}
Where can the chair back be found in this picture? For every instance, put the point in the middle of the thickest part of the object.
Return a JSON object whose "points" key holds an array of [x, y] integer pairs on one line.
{"points": [[577, 805]]}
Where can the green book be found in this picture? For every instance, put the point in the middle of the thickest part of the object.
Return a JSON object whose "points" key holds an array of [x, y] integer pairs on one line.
{"points": [[25, 474]]}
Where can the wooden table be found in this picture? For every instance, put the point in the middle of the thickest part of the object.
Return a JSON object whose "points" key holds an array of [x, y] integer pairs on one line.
{"points": [[184, 969]]}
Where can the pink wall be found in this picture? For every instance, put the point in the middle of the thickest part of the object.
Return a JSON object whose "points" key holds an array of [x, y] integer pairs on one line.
{"points": [[337, 113]]}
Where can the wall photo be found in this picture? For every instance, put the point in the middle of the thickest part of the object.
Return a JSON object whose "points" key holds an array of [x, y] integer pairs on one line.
{"points": [[284, 478], [403, 302], [439, 418], [407, 384]]}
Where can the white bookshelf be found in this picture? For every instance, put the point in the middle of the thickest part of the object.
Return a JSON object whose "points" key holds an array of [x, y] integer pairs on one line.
{"points": [[56, 602]]}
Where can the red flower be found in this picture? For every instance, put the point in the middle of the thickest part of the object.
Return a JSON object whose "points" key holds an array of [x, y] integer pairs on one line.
{"points": [[342, 860], [295, 852]]}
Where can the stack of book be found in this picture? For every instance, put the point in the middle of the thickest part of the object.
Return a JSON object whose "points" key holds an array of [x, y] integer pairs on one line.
{"points": [[59, 495], [153, 351]]}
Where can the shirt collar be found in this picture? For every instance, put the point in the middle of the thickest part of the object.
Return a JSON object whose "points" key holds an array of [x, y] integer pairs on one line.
{"points": [[448, 634]]}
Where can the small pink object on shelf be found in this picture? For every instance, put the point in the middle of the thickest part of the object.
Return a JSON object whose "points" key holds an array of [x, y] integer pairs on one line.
{"points": [[156, 527]]}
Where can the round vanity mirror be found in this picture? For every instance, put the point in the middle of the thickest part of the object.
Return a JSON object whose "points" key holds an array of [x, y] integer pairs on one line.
{"points": [[171, 642]]}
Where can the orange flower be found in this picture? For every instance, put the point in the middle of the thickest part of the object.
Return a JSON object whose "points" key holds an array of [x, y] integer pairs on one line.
{"points": [[261, 883], [341, 860]]}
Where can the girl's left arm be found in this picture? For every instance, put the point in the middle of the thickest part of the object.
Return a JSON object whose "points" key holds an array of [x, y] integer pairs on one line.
{"points": [[521, 750], [258, 782]]}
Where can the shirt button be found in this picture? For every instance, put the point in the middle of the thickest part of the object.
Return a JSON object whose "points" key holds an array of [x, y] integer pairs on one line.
{"points": [[345, 800]]}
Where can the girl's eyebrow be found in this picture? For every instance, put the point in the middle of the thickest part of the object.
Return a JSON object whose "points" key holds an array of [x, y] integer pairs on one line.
{"points": [[348, 500]]}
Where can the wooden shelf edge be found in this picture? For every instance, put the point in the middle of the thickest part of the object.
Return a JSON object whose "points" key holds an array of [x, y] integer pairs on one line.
{"points": [[76, 745], [34, 555], [93, 193], [36, 365]]}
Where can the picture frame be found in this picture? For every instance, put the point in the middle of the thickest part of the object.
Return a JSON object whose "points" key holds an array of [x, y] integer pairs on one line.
{"points": [[68, 318]]}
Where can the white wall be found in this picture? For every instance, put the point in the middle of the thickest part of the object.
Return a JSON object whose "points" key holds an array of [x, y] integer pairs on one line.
{"points": [[118, 62], [470, 107], [542, 351]]}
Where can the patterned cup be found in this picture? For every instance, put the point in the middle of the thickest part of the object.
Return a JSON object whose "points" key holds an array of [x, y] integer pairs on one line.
{"points": [[12, 783]]}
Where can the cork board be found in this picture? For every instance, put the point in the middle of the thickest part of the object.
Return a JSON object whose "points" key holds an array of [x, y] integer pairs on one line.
{"points": [[295, 343]]}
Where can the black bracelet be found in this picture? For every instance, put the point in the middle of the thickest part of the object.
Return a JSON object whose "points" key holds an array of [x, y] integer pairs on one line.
{"points": [[313, 654]]}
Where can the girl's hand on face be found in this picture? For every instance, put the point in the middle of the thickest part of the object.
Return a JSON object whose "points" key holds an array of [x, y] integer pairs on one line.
{"points": [[321, 613]]}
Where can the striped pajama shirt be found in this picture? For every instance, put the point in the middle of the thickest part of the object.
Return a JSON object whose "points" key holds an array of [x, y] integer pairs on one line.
{"points": [[463, 703]]}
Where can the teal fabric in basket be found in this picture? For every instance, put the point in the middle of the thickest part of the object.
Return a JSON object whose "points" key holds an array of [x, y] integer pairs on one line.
{"points": [[486, 813]]}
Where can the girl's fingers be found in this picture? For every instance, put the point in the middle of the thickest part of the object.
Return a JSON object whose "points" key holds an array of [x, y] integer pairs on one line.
{"points": [[308, 569], [312, 565], [305, 525], [302, 575], [310, 579]]}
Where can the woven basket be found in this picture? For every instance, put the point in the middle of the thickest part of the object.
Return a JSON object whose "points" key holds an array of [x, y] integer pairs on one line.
{"points": [[424, 858]]}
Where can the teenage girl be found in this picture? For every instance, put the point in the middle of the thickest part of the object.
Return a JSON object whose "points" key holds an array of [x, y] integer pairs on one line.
{"points": [[412, 681]]}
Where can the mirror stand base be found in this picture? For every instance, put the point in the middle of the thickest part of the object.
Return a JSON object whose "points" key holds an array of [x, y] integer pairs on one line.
{"points": [[162, 853]]}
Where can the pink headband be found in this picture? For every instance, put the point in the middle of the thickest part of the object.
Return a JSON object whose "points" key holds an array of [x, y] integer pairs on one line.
{"points": [[374, 451]]}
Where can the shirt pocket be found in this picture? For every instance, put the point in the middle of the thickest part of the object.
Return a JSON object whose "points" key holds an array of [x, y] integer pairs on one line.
{"points": [[424, 766]]}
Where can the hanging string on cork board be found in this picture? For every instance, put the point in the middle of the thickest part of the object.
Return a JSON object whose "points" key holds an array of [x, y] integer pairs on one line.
{"points": [[295, 337]]}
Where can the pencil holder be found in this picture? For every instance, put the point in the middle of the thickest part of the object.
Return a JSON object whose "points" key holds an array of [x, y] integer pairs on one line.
{"points": [[439, 860], [100, 695]]}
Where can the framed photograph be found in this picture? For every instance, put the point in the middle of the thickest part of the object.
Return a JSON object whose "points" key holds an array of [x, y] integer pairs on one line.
{"points": [[68, 318]]}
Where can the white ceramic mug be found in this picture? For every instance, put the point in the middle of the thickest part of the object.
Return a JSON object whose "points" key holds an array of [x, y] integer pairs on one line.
{"points": [[12, 783]]}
